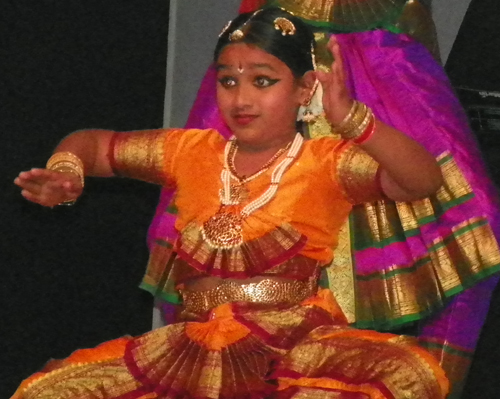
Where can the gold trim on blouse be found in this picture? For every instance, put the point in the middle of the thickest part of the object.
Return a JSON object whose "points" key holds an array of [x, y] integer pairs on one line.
{"points": [[140, 155], [357, 176]]}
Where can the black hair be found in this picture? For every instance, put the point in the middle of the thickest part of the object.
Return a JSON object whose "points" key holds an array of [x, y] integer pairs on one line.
{"points": [[259, 30]]}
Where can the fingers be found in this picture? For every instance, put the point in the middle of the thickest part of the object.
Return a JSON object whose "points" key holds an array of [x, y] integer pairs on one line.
{"points": [[336, 76], [336, 96], [338, 62], [48, 188]]}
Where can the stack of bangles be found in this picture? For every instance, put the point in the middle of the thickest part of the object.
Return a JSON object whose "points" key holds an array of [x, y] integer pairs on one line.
{"points": [[359, 124], [67, 162]]}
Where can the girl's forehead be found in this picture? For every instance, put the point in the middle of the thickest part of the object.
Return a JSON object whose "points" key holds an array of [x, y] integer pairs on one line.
{"points": [[238, 54]]}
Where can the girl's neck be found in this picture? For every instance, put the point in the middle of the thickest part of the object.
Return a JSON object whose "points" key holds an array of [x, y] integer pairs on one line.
{"points": [[250, 159], [264, 148]]}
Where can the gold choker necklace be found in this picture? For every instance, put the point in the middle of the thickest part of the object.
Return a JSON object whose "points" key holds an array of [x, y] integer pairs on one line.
{"points": [[224, 229]]}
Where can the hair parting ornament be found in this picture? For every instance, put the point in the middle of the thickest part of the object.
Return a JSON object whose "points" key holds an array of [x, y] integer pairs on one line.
{"points": [[239, 33]]}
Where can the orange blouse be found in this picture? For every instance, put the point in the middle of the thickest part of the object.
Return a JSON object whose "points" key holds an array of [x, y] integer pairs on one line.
{"points": [[314, 197]]}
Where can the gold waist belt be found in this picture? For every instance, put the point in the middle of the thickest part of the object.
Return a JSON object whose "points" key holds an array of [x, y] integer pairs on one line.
{"points": [[267, 291]]}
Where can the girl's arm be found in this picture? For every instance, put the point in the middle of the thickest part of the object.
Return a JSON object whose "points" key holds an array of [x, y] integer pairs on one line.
{"points": [[407, 170]]}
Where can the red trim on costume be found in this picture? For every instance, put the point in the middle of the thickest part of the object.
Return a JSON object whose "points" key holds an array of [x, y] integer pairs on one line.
{"points": [[111, 153]]}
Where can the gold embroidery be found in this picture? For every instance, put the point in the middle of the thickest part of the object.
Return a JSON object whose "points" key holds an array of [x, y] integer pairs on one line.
{"points": [[411, 212], [314, 393], [455, 361], [381, 215], [85, 381], [478, 245], [378, 219], [341, 274], [171, 359], [357, 174], [405, 370], [141, 156], [244, 258], [267, 291], [402, 292], [455, 184], [330, 11]]}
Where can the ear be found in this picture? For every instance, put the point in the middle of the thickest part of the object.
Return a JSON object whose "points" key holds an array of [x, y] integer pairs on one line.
{"points": [[306, 83]]}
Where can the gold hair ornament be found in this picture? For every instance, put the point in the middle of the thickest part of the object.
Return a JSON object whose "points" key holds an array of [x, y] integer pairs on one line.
{"points": [[67, 162], [285, 26], [239, 33], [226, 27]]}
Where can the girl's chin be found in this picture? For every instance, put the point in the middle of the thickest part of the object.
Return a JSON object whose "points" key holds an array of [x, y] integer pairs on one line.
{"points": [[249, 135], [250, 140]]}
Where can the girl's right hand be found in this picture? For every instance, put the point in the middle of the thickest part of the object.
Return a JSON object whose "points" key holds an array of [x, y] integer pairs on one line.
{"points": [[49, 187]]}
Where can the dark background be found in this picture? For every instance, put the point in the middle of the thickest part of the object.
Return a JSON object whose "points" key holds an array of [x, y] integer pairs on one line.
{"points": [[68, 276], [474, 64]]}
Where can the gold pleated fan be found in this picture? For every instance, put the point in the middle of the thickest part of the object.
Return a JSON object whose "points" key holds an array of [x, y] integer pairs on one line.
{"points": [[346, 14]]}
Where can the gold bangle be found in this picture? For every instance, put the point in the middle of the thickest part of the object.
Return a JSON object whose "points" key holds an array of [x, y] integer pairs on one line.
{"points": [[355, 123], [356, 120], [352, 120], [360, 129], [67, 162], [349, 115]]}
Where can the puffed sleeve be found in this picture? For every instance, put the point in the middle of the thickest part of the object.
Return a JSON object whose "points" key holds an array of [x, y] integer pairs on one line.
{"points": [[145, 155], [358, 175]]}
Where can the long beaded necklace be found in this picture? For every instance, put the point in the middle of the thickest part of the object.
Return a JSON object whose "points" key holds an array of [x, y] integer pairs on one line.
{"points": [[224, 229]]}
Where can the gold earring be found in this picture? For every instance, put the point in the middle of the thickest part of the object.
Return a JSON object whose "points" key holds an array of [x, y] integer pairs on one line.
{"points": [[311, 108]]}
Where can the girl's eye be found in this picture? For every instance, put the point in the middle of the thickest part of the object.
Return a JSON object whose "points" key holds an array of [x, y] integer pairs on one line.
{"points": [[227, 81], [264, 81]]}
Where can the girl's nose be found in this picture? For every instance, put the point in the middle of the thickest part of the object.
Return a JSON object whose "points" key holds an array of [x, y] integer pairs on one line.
{"points": [[242, 97]]}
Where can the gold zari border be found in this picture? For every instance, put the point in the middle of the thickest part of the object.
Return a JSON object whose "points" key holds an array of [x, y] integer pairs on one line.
{"points": [[357, 174], [379, 214], [422, 288], [140, 156], [84, 381], [330, 10]]}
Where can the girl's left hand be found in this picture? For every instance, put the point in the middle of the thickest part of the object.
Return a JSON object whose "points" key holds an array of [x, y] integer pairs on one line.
{"points": [[337, 100]]}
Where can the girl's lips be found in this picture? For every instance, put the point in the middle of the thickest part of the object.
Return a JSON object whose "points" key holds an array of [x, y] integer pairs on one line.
{"points": [[244, 119]]}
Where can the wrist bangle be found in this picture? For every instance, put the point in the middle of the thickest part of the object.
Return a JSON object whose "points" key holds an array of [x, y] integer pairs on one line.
{"points": [[356, 123], [67, 162], [367, 133]]}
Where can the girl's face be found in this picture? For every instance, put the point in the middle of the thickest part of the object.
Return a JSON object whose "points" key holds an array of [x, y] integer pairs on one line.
{"points": [[258, 95]]}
